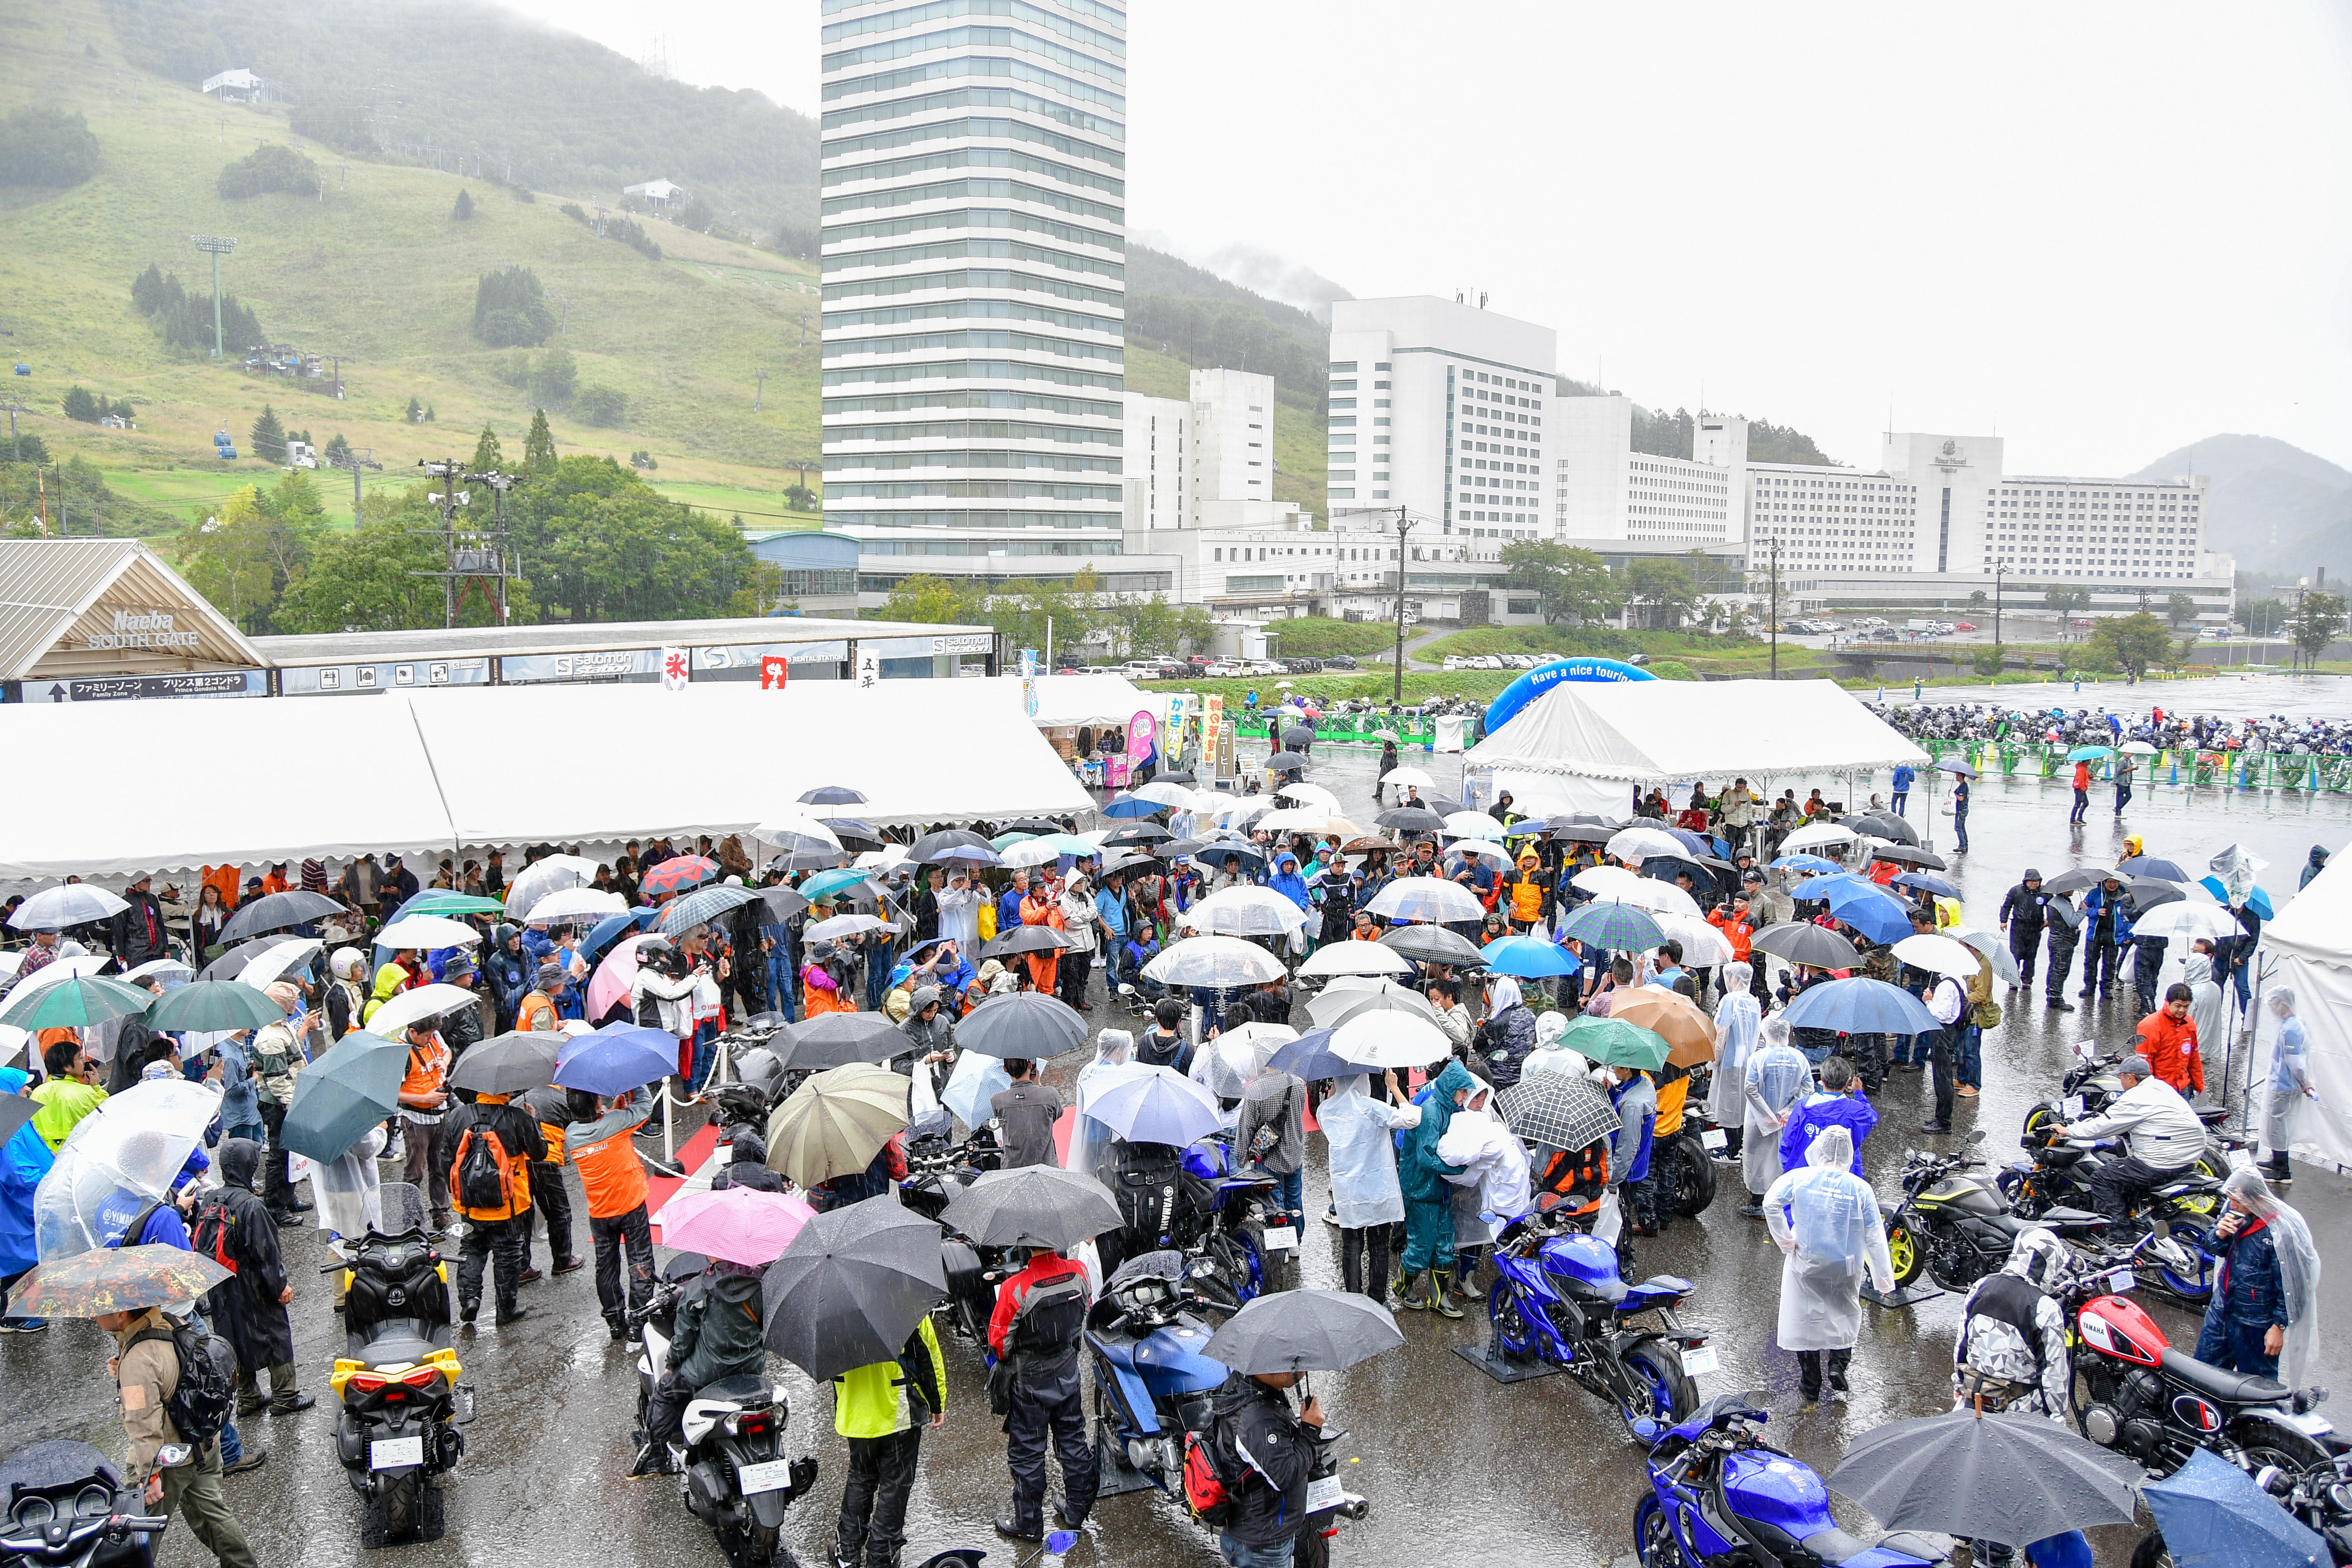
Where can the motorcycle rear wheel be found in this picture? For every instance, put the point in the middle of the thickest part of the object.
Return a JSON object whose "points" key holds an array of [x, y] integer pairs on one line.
{"points": [[399, 1501], [1657, 1368], [2262, 1444], [1691, 1175], [760, 1546]]}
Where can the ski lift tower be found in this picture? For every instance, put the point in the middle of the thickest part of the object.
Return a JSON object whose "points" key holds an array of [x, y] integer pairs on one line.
{"points": [[219, 245]]}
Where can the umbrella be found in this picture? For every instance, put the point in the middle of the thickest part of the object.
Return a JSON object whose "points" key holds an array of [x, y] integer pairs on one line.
{"points": [[1214, 961], [1378, 1038], [1939, 955], [1309, 1056], [838, 1039], [1481, 849], [840, 926], [275, 911], [68, 904], [414, 1006], [1635, 843], [1473, 825], [783, 904], [2149, 866], [124, 1154], [212, 1006], [545, 876], [1032, 825], [353, 1085], [1703, 945], [2011, 1479], [1688, 1032], [796, 831], [1137, 833], [1022, 1026], [2089, 753], [1035, 1205], [1167, 790], [1145, 1104], [510, 1063], [2256, 898], [1433, 944], [1613, 1042], [1621, 928], [1407, 778], [231, 961], [1126, 861], [1025, 939], [2137, 749], [1885, 824], [1816, 833], [1300, 793], [1525, 956], [565, 906], [1367, 845], [616, 973], [821, 887], [1936, 885], [1337, 1003], [15, 1108], [1036, 852], [737, 1225], [1617, 885], [1805, 942], [2180, 918], [851, 1287], [74, 1002], [854, 833], [431, 901], [676, 874], [1212, 854], [1355, 958], [427, 932], [1245, 911], [2146, 892], [166, 967], [932, 846], [1129, 805], [114, 1279], [1426, 898], [2212, 1514], [2075, 880], [1304, 1330], [700, 907], [1299, 734], [615, 1058], [1861, 1007], [1960, 769], [1904, 855], [1409, 819], [1585, 832], [1808, 863], [832, 795], [1995, 949], [835, 1122], [1568, 1114], [1281, 761], [1872, 911]]}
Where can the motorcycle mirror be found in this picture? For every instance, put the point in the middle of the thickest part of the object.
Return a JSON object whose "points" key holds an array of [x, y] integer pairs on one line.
{"points": [[1976, 1137], [171, 1456]]}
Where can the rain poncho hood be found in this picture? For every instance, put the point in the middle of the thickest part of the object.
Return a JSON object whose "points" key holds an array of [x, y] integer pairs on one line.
{"points": [[1090, 1141], [1487, 1156], [2299, 1267], [1825, 1218], [389, 979], [1286, 880], [1356, 1127], [1502, 995]]}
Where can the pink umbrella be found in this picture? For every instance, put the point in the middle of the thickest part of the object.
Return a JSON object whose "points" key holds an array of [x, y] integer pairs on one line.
{"points": [[610, 984], [738, 1225]]}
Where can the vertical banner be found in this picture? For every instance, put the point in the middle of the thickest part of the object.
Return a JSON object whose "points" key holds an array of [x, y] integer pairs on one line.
{"points": [[1142, 732], [674, 670], [869, 667], [774, 672], [1029, 681], [1212, 719]]}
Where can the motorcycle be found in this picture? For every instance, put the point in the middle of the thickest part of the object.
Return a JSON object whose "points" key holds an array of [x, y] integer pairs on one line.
{"points": [[397, 1379], [1684, 1164], [2133, 1391], [1722, 1497], [2093, 1080], [68, 1507], [936, 1171], [1557, 1298], [1154, 1391], [1957, 1229], [2179, 1261], [730, 1467], [1221, 1221]]}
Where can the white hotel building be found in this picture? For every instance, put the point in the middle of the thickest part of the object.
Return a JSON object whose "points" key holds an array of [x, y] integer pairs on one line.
{"points": [[1607, 498]]}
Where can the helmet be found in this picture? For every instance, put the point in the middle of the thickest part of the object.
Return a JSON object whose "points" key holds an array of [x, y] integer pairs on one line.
{"points": [[664, 957], [2037, 1257]]}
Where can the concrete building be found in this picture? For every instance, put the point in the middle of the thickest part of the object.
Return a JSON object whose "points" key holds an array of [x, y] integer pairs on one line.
{"points": [[1201, 462], [1235, 412], [1162, 463], [1439, 407], [973, 225], [1607, 495]]}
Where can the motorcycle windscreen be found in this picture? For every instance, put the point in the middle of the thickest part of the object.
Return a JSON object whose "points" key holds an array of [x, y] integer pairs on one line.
{"points": [[403, 1209]]}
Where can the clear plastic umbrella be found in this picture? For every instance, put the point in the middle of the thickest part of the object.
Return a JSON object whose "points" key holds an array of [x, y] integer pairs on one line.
{"points": [[424, 1002], [545, 876], [1937, 955], [120, 1157], [427, 932], [570, 904], [1340, 958], [1426, 898], [1214, 961], [1245, 911], [71, 904]]}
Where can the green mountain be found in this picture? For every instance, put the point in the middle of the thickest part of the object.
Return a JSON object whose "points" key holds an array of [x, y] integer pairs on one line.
{"points": [[2275, 507]]}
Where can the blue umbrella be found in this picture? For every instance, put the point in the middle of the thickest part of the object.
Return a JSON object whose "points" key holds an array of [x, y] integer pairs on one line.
{"points": [[2212, 1515], [825, 884], [1860, 1006], [1530, 957], [1212, 858], [1133, 805], [1864, 905], [2258, 901], [1936, 885], [2089, 753], [351, 1087], [613, 928], [1309, 1057], [616, 1058], [1808, 863]]}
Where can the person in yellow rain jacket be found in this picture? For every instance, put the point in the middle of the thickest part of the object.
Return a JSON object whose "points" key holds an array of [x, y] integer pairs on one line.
{"points": [[882, 1409]]}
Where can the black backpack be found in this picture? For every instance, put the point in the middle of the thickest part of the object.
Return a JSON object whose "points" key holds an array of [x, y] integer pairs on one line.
{"points": [[200, 1402]]}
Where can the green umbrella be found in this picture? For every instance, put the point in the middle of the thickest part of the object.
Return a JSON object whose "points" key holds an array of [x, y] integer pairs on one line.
{"points": [[1621, 928], [1006, 840], [449, 904], [1613, 1043], [74, 1004], [824, 884], [349, 1090], [213, 1007]]}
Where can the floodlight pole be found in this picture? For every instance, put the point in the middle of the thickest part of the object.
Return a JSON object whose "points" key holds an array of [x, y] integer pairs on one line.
{"points": [[1396, 690], [219, 244]]}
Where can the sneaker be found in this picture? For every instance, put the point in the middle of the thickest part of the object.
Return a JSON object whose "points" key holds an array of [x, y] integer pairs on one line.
{"points": [[1751, 1211], [1933, 1126], [23, 1325], [1964, 1092], [1331, 1217], [568, 1266], [292, 1404], [298, 1206], [251, 1459]]}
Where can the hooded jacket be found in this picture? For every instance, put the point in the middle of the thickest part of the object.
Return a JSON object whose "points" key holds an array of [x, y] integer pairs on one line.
{"points": [[1508, 1034], [245, 1304], [1422, 1175], [1267, 1446]]}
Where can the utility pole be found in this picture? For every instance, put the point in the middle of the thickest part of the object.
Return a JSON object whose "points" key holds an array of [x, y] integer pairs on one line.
{"points": [[760, 388], [14, 408], [800, 466], [500, 567], [448, 499], [219, 245], [1776, 609], [1396, 689], [1997, 573]]}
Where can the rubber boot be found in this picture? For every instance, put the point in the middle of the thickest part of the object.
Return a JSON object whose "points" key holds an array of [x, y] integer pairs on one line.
{"points": [[1441, 1293], [1415, 1294]]}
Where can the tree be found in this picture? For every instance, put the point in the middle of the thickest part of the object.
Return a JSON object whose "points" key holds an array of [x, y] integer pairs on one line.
{"points": [[1987, 660], [2261, 618], [487, 454], [1663, 590], [510, 309], [602, 406], [2316, 619], [606, 547], [46, 147], [416, 414], [269, 436], [464, 210], [2179, 609], [244, 555], [556, 376], [80, 406], [336, 453], [1978, 600], [1148, 622], [1569, 583], [363, 581], [930, 600], [2132, 642], [270, 168], [539, 447]]}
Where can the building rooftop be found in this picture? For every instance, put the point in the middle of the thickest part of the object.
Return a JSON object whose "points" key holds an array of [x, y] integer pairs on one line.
{"points": [[566, 638]]}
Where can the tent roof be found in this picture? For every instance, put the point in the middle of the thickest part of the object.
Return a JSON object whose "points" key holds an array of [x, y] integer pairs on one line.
{"points": [[439, 769], [2316, 923], [1083, 699], [1657, 732], [56, 594]]}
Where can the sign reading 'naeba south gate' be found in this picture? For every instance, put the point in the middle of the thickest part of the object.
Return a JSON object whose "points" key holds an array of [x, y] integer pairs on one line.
{"points": [[136, 629]]}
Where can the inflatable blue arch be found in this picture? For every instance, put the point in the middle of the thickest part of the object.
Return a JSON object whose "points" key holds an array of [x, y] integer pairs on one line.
{"points": [[1544, 677]]}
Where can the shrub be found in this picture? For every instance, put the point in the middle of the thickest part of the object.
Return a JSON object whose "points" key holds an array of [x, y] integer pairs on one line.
{"points": [[270, 168], [1987, 660], [46, 147], [464, 209], [28, 448], [628, 232], [79, 405], [697, 215], [557, 377], [602, 406], [510, 309], [574, 210]]}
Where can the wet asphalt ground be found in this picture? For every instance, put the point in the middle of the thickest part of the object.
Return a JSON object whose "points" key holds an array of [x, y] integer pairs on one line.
{"points": [[1456, 1466]]}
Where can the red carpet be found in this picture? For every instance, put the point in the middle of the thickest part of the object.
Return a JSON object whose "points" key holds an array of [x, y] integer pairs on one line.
{"points": [[690, 1156]]}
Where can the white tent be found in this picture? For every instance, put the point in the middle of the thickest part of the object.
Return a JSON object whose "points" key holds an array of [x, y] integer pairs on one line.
{"points": [[167, 785], [2308, 949], [1589, 744], [1093, 700]]}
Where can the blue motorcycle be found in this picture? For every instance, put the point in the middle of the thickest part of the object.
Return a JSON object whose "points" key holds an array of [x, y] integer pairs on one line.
{"points": [[1721, 1496], [1557, 1298], [1218, 1218]]}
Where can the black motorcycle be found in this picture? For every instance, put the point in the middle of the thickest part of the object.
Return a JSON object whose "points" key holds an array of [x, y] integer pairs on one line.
{"points": [[2180, 1262], [1957, 1227], [937, 1171], [66, 1505], [2093, 1079]]}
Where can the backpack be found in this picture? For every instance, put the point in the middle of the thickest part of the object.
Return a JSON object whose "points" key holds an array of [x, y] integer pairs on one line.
{"points": [[208, 1237], [1050, 1319], [199, 1404], [487, 1177], [138, 1226], [1206, 1491]]}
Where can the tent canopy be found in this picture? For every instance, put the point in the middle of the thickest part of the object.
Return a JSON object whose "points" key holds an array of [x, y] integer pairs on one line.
{"points": [[1070, 701], [2307, 948], [233, 782], [1663, 731]]}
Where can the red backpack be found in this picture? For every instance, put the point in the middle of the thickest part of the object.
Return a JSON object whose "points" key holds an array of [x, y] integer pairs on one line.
{"points": [[1207, 1492], [208, 1237]]}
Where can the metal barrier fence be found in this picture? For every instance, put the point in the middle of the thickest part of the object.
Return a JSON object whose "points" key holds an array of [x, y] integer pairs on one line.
{"points": [[2187, 768], [1363, 729]]}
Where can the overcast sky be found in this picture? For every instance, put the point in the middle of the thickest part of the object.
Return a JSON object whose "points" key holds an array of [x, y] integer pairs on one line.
{"points": [[2103, 231]]}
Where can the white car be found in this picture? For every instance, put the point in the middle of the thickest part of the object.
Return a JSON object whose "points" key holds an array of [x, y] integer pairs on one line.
{"points": [[1456, 662], [1224, 669]]}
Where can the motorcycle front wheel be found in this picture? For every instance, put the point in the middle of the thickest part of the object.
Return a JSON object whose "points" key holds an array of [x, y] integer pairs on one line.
{"points": [[1664, 1392], [1511, 1331], [1654, 1536], [2261, 1443]]}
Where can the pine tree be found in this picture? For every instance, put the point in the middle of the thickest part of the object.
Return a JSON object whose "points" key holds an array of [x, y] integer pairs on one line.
{"points": [[465, 207], [486, 455], [416, 410], [269, 436], [539, 447]]}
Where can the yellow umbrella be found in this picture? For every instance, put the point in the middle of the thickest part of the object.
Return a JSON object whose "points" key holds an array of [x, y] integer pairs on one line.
{"points": [[833, 1124], [1688, 1031]]}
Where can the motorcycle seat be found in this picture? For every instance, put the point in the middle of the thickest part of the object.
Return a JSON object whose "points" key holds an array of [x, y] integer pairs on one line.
{"points": [[2212, 1115], [2073, 1219], [1833, 1545], [2228, 1387], [1611, 1291], [743, 1389], [395, 1348], [1658, 1285], [2188, 1186]]}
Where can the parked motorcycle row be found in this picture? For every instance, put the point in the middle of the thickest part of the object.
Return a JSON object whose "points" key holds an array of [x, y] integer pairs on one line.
{"points": [[1983, 722]]}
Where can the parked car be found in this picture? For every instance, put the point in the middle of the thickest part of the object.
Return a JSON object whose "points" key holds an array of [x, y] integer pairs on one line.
{"points": [[1964, 626], [1225, 670], [1340, 661], [1458, 661], [1302, 666]]}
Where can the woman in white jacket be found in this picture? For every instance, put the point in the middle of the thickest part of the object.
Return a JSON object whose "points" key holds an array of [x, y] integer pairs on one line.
{"points": [[1494, 1181], [959, 910], [1359, 1129]]}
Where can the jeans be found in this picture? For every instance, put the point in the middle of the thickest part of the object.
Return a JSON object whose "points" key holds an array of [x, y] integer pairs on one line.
{"points": [[2237, 1347], [252, 1132], [1289, 1193], [780, 985], [2082, 805], [611, 1236], [706, 1036], [1960, 825], [873, 1522], [1237, 1556], [2123, 798], [1900, 801], [1968, 1057]]}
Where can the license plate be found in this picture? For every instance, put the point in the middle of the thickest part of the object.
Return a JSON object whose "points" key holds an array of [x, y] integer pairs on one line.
{"points": [[773, 1475], [2122, 1279], [1713, 1138], [2071, 1109], [1700, 1359], [392, 1453], [1280, 1239], [2241, 1159], [1325, 1493]]}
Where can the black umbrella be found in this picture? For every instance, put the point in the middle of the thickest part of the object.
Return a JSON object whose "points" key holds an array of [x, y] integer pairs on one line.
{"points": [[852, 1287], [701, 907], [1136, 833], [853, 833], [1663, 867], [1032, 825], [232, 961], [1032, 1205], [1433, 944], [1551, 1107], [683, 1265], [2075, 881], [1905, 854], [1585, 833], [1298, 735], [2011, 1479], [933, 846], [832, 795], [1182, 776], [1304, 1330], [783, 903], [1025, 939], [1410, 820], [275, 911], [2149, 866], [807, 861], [1023, 1025], [836, 1039], [2146, 892], [1127, 862], [1444, 804], [1281, 761], [1804, 942], [510, 1063], [1884, 824]]}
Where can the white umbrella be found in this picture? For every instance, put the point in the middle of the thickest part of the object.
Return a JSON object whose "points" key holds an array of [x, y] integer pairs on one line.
{"points": [[427, 932], [1355, 958], [1812, 833], [1639, 843], [1995, 947], [1380, 1038], [795, 830], [1426, 898], [844, 925], [1704, 947], [2183, 919], [156, 966], [1473, 825], [424, 1002], [1244, 809], [2137, 749], [1159, 792], [1618, 885], [68, 904], [1245, 1048], [1032, 852], [1937, 955], [1306, 819], [889, 858], [1402, 777], [1480, 847], [565, 905], [544, 875], [1214, 961], [272, 962], [1309, 795], [1337, 1004], [1245, 911]]}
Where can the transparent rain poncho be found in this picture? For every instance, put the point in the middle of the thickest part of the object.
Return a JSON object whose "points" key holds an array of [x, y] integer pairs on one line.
{"points": [[1356, 1125], [2298, 1259], [1090, 1141], [1777, 1075], [1825, 1218], [1739, 1024]]}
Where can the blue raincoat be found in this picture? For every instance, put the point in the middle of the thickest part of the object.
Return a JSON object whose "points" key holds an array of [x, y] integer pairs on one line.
{"points": [[1286, 881], [24, 1161]]}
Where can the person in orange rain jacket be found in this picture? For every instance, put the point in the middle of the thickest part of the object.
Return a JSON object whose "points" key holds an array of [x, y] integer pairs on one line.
{"points": [[613, 1180], [2167, 1038], [1528, 890], [1041, 906], [1733, 922]]}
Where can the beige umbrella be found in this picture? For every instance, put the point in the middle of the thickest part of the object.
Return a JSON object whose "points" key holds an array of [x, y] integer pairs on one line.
{"points": [[833, 1124], [1688, 1030]]}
